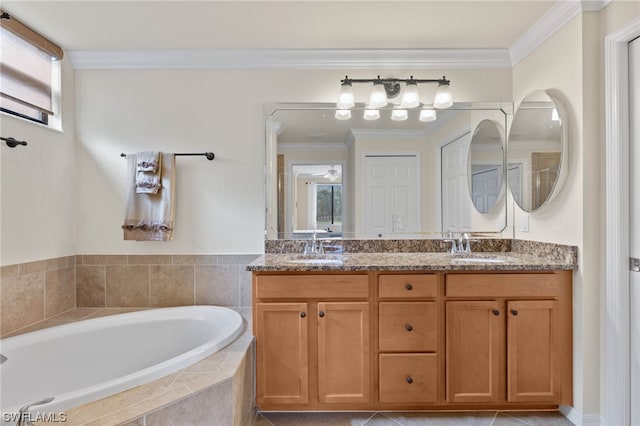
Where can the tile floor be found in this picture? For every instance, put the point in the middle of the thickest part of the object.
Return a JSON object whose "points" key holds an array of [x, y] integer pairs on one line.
{"points": [[489, 418]]}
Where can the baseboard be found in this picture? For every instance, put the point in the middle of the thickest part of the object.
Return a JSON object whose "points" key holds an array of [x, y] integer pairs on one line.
{"points": [[579, 419]]}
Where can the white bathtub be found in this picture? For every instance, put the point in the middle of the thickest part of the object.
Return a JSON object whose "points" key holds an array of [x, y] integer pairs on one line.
{"points": [[91, 359]]}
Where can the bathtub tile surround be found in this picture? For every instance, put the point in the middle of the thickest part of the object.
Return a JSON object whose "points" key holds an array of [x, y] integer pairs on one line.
{"points": [[163, 280], [35, 291]]}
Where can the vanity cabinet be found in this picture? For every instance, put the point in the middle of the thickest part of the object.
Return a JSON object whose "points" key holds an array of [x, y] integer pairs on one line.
{"points": [[313, 345], [509, 348], [387, 340]]}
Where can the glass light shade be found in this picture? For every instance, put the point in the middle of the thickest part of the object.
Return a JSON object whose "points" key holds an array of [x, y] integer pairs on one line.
{"points": [[378, 97], [554, 115], [345, 98], [399, 114], [371, 114], [428, 115], [443, 98], [343, 114], [410, 96]]}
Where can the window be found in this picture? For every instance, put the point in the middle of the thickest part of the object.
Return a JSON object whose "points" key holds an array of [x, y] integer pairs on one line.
{"points": [[329, 205], [26, 71]]}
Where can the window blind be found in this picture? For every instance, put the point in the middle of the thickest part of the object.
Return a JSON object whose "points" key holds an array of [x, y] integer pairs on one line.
{"points": [[25, 68]]}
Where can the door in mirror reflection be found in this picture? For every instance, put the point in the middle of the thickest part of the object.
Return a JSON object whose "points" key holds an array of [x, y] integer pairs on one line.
{"points": [[486, 166]]}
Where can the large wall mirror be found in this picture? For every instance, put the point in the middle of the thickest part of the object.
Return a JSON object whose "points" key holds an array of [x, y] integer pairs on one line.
{"points": [[537, 151], [359, 178], [486, 166]]}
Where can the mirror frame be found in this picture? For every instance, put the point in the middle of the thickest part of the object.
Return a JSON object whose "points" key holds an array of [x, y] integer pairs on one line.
{"points": [[270, 108], [564, 149]]}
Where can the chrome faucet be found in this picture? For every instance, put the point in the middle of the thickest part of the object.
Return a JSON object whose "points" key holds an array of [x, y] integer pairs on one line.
{"points": [[462, 244], [314, 246]]}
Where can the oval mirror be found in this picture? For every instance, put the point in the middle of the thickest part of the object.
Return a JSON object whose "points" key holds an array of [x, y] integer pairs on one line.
{"points": [[536, 151], [485, 166]]}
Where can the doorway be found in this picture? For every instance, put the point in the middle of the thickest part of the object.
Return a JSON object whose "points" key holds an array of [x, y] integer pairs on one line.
{"points": [[634, 225]]}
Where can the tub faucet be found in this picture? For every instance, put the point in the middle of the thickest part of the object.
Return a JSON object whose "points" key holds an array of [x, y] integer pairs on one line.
{"points": [[25, 419]]}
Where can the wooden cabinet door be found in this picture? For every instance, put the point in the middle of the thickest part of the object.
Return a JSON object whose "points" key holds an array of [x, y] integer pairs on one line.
{"points": [[533, 355], [474, 342], [343, 352], [282, 368]]}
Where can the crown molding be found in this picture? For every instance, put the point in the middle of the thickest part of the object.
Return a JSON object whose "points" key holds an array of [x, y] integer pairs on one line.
{"points": [[556, 17], [293, 58]]}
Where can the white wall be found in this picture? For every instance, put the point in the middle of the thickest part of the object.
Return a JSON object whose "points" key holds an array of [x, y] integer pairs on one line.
{"points": [[220, 204], [38, 185]]}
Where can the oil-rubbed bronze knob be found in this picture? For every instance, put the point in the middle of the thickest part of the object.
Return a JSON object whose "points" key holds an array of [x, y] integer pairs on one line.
{"points": [[321, 314], [408, 287], [303, 314], [408, 327], [409, 379], [514, 312], [496, 312]]}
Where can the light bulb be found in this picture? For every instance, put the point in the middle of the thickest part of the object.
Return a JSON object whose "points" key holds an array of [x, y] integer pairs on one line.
{"points": [[371, 114], [343, 114], [410, 96], [554, 115], [399, 114], [378, 97], [443, 98], [345, 98], [427, 115]]}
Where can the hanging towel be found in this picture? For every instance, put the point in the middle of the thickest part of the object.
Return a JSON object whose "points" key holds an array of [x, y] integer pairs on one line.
{"points": [[149, 172], [150, 217]]}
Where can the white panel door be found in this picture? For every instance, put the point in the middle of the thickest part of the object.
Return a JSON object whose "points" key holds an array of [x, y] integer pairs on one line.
{"points": [[634, 249], [456, 200], [486, 188], [391, 194]]}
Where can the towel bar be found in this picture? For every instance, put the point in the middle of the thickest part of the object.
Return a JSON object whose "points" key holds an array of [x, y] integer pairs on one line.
{"points": [[210, 155], [13, 142]]}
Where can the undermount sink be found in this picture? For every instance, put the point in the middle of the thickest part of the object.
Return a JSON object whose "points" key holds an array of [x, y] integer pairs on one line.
{"points": [[482, 259], [316, 261]]}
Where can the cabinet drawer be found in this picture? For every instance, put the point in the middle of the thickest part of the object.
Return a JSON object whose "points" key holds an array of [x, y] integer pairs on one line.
{"points": [[502, 285], [408, 326], [408, 378], [293, 286], [408, 286]]}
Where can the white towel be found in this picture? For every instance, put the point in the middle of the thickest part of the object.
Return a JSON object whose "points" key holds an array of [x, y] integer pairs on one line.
{"points": [[149, 171], [150, 217]]}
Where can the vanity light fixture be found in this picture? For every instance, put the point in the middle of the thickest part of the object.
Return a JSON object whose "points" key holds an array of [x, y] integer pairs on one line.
{"points": [[388, 88]]}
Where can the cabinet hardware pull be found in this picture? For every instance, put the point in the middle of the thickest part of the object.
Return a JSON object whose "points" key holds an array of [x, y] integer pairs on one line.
{"points": [[321, 314], [408, 287], [303, 314], [408, 327], [409, 379], [514, 312], [496, 312]]}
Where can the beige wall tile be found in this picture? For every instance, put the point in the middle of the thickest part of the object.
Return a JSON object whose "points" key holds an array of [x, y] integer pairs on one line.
{"points": [[90, 285], [10, 271], [171, 285], [104, 259], [137, 422], [60, 291], [237, 259], [127, 285], [217, 285], [195, 259], [151, 259], [33, 267], [202, 408], [22, 301], [245, 287]]}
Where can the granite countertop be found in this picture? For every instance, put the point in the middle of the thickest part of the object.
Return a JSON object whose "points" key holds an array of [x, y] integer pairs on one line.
{"points": [[417, 261]]}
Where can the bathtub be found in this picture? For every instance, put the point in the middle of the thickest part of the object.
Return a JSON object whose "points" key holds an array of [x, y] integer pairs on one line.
{"points": [[91, 359]]}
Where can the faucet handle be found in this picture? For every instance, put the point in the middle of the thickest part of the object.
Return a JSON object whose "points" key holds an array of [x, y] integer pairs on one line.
{"points": [[320, 247]]}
